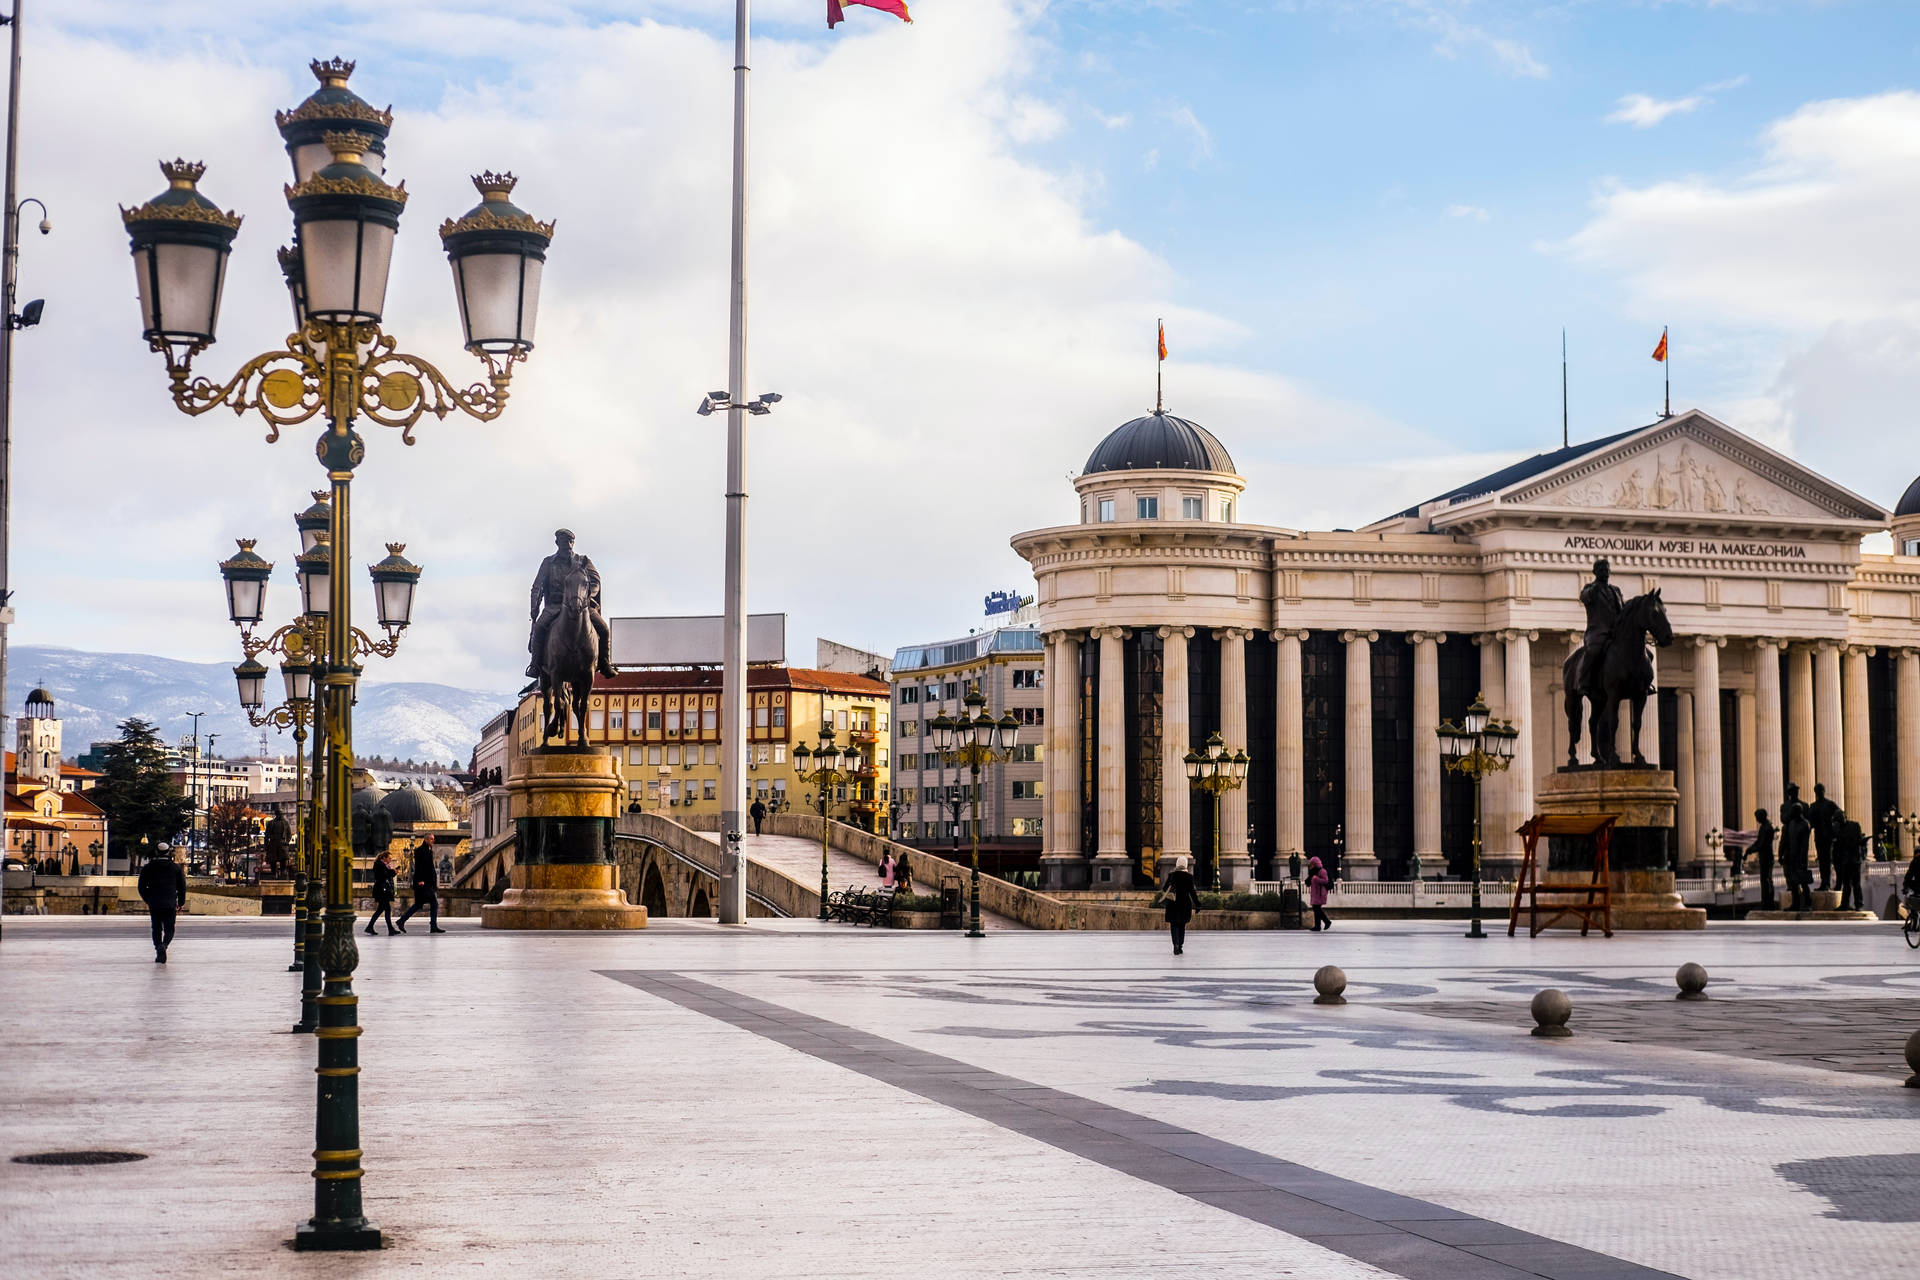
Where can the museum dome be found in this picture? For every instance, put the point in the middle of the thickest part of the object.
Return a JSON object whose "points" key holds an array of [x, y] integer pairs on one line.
{"points": [[411, 806], [1159, 442], [1909, 501]]}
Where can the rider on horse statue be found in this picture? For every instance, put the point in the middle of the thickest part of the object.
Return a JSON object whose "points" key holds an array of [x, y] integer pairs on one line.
{"points": [[1603, 604], [549, 585]]}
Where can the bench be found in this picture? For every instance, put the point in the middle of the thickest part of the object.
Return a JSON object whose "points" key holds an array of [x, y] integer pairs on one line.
{"points": [[861, 905]]}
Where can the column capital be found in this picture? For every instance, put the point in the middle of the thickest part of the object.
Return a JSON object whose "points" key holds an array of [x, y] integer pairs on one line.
{"points": [[1421, 637], [1718, 642], [1511, 634], [1232, 633], [1822, 646], [1166, 633], [1109, 633], [1060, 637], [1486, 637], [1284, 632], [1348, 637], [1863, 650], [1771, 642]]}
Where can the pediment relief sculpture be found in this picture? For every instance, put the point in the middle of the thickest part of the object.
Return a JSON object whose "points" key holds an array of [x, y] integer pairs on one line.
{"points": [[1681, 478]]}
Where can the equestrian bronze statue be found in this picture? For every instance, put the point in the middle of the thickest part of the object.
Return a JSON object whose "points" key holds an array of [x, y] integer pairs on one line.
{"points": [[570, 639], [1613, 664]]}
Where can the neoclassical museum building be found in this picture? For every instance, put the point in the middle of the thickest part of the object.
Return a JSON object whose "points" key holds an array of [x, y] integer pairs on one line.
{"points": [[1331, 657]]}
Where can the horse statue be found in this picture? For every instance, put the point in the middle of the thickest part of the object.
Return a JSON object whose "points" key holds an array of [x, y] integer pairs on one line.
{"points": [[1624, 671], [567, 662]]}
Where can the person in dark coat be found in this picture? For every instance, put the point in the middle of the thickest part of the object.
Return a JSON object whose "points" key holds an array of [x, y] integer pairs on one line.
{"points": [[759, 814], [1318, 882], [1849, 851], [425, 889], [1795, 831], [1763, 857], [1823, 813], [163, 887], [903, 874], [383, 891], [1182, 901]]}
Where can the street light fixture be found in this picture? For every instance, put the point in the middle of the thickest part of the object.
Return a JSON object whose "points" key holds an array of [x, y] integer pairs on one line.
{"points": [[1475, 748], [973, 739], [821, 768], [246, 574], [1216, 771], [340, 366]]}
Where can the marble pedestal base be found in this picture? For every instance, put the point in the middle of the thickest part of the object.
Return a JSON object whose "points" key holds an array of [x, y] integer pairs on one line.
{"points": [[1064, 871], [563, 801], [579, 897], [1642, 803]]}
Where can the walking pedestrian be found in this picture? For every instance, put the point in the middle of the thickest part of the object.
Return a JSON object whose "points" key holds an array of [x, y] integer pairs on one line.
{"points": [[1763, 857], [886, 869], [425, 884], [903, 874], [759, 814], [1317, 882], [383, 891], [163, 887], [1182, 901]]}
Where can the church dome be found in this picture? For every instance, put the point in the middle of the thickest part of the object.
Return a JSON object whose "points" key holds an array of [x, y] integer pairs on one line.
{"points": [[1159, 442], [1909, 501], [411, 806], [40, 703]]}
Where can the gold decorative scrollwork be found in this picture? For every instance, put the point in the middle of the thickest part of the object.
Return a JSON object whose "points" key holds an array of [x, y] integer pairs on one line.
{"points": [[397, 389], [284, 386]]}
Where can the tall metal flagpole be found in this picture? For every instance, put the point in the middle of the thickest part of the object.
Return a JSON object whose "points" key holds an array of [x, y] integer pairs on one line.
{"points": [[733, 690], [9, 277]]}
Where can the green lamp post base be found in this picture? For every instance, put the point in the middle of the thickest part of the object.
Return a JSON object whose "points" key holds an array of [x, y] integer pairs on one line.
{"points": [[336, 1237]]}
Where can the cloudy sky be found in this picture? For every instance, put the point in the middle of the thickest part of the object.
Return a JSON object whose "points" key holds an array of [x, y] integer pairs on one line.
{"points": [[1365, 221]]}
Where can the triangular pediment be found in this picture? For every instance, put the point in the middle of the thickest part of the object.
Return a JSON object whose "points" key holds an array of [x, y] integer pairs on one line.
{"points": [[1693, 467]]}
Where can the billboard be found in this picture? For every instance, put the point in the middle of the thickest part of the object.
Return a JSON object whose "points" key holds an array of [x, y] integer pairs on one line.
{"points": [[694, 641]]}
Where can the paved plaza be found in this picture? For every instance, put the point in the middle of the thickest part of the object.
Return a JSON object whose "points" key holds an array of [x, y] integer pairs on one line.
{"points": [[790, 1099]]}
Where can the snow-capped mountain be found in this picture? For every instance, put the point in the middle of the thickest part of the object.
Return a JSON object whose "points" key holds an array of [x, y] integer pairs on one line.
{"points": [[94, 692]]}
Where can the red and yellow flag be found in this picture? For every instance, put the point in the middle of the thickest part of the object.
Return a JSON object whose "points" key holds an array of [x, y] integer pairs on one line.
{"points": [[1163, 339], [1660, 352], [835, 16]]}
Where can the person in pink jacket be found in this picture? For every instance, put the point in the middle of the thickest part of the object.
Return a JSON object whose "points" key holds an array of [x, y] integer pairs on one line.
{"points": [[1317, 881]]}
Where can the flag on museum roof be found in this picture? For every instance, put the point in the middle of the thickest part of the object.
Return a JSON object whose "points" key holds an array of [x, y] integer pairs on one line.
{"points": [[1660, 352], [835, 16], [1163, 339]]}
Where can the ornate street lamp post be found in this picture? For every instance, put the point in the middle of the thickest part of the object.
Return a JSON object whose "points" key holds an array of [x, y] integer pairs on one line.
{"points": [[1476, 748], [820, 767], [1716, 840], [974, 738], [1216, 771], [338, 364]]}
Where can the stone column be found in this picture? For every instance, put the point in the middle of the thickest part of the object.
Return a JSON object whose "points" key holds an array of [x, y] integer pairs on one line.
{"points": [[1906, 692], [1747, 798], [1829, 761], [1858, 741], [1359, 858], [1236, 865], [1800, 721], [1176, 815], [1426, 752], [1113, 865], [1686, 829], [1707, 808], [1520, 710], [1769, 769], [1289, 761], [1493, 790], [1065, 864]]}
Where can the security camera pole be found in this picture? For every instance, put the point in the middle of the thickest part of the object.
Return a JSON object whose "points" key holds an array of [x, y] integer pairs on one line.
{"points": [[9, 270]]}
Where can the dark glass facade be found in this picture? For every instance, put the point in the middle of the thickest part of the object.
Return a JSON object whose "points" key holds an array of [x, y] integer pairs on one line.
{"points": [[1145, 665], [1323, 706], [1263, 656], [1392, 659], [1459, 683]]}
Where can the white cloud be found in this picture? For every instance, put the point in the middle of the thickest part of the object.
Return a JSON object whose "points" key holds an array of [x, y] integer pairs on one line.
{"points": [[1469, 212], [943, 316], [1199, 137], [1115, 122], [1644, 112], [1455, 35], [1803, 270]]}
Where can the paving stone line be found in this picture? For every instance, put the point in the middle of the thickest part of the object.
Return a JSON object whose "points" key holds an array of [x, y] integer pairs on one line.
{"points": [[1399, 1234]]}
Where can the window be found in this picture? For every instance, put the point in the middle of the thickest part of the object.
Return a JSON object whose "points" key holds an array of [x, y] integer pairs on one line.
{"points": [[711, 755], [673, 792], [673, 722], [1029, 753], [1193, 508], [779, 717], [1027, 678], [596, 720], [1027, 827], [909, 761], [780, 790], [883, 722], [764, 754], [1106, 510], [909, 728], [1026, 790], [653, 755], [706, 789], [880, 757], [653, 721], [1146, 508], [909, 694], [1226, 511], [616, 720], [953, 689], [840, 720], [710, 720], [1031, 715], [673, 755], [636, 755], [909, 795], [1911, 547], [759, 717]]}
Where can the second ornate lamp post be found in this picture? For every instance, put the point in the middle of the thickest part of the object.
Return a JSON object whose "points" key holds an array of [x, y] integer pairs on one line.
{"points": [[339, 365], [1216, 771], [825, 773], [974, 738], [1476, 748]]}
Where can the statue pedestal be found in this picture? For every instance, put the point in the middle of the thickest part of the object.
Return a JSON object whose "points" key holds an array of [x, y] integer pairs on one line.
{"points": [[1642, 803], [563, 801]]}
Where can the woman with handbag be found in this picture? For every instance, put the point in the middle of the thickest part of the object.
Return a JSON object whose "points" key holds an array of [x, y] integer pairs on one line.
{"points": [[383, 882]]}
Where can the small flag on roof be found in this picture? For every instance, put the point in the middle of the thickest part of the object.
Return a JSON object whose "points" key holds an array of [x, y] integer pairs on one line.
{"points": [[835, 16]]}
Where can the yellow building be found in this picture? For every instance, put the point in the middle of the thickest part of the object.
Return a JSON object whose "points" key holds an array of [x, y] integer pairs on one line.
{"points": [[663, 726]]}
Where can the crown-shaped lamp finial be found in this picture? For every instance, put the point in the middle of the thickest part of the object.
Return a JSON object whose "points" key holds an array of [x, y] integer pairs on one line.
{"points": [[494, 186], [331, 72], [183, 173], [347, 146]]}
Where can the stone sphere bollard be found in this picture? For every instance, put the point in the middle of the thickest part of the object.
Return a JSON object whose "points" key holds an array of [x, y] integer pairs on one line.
{"points": [[1330, 980], [1913, 1060], [1551, 1009], [1692, 981]]}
